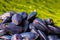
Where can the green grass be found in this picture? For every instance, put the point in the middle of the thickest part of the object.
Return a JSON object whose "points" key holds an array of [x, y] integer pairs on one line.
{"points": [[44, 8]]}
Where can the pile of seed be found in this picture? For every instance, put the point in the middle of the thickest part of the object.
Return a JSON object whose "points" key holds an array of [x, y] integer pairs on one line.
{"points": [[21, 26]]}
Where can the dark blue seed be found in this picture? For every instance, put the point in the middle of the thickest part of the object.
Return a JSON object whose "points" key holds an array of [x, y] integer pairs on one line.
{"points": [[6, 20], [32, 16], [40, 24], [7, 14], [24, 15], [38, 20], [12, 29], [16, 19], [54, 30], [29, 35], [49, 21]]}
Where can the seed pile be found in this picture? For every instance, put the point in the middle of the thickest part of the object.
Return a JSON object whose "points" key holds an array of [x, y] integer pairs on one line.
{"points": [[21, 26]]}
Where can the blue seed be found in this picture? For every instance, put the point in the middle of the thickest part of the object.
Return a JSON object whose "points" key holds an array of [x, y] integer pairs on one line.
{"points": [[16, 19]]}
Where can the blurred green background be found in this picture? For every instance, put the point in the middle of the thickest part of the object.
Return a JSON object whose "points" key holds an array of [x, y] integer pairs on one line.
{"points": [[45, 8]]}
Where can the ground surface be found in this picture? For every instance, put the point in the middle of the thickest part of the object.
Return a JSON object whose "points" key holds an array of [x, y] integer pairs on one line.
{"points": [[44, 8]]}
